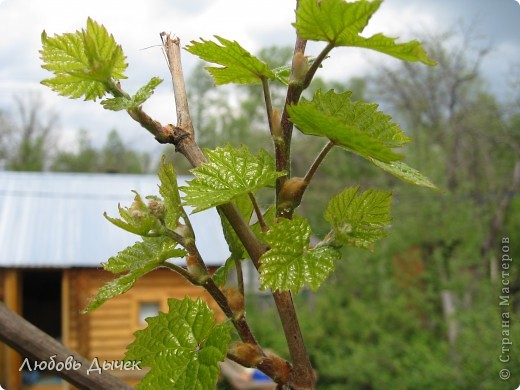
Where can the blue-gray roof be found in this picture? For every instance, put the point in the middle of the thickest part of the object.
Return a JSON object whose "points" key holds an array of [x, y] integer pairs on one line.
{"points": [[56, 219]]}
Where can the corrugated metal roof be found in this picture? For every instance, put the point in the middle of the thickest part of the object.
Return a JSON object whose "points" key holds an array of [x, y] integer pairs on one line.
{"points": [[56, 219]]}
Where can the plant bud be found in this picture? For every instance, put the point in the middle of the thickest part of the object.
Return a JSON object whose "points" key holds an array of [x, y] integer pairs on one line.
{"points": [[196, 270], [292, 192], [300, 66], [185, 232], [281, 366], [248, 353], [236, 301], [277, 125], [157, 208], [137, 214], [138, 203]]}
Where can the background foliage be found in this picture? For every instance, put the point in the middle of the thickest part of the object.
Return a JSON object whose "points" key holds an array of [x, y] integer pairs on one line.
{"points": [[421, 312]]}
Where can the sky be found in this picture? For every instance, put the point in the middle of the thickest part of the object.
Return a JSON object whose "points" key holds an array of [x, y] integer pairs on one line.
{"points": [[136, 27]]}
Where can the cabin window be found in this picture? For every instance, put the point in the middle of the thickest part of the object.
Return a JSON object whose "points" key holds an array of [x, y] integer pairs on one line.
{"points": [[148, 309]]}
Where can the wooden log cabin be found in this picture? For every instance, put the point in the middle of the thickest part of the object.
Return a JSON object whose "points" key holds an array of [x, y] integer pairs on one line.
{"points": [[53, 237]]}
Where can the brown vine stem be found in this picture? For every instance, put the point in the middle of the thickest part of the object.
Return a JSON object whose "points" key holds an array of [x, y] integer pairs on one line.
{"points": [[163, 134], [319, 159], [283, 149], [181, 271], [240, 323], [240, 276], [268, 104], [316, 64], [288, 213], [172, 49], [301, 376], [258, 213]]}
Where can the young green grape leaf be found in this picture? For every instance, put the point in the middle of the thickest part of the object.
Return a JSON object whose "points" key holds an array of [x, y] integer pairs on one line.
{"points": [[153, 249], [105, 56], [137, 219], [283, 74], [65, 56], [238, 252], [269, 219], [404, 172], [361, 115], [170, 193], [118, 103], [340, 23], [182, 347], [333, 20], [310, 121], [144, 93], [359, 219], [245, 207], [230, 172], [357, 127], [82, 62], [125, 103], [290, 264], [238, 65], [136, 260], [317, 117], [410, 51], [221, 274]]}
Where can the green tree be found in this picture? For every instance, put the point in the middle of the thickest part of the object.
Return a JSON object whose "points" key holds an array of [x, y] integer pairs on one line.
{"points": [[457, 124], [6, 133], [469, 142], [29, 137], [115, 157], [86, 159]]}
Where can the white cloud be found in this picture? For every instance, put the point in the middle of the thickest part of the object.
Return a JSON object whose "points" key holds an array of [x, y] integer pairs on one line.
{"points": [[404, 22], [136, 26]]}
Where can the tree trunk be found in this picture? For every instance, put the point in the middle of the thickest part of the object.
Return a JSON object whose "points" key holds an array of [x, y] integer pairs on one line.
{"points": [[491, 241], [33, 343]]}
